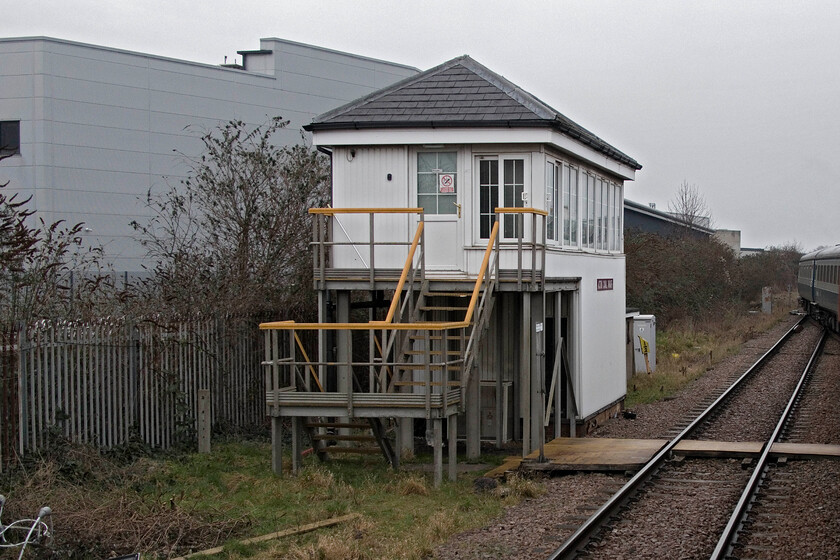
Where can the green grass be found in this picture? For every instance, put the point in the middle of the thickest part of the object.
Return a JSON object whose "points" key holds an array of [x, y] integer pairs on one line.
{"points": [[402, 515], [147, 504]]}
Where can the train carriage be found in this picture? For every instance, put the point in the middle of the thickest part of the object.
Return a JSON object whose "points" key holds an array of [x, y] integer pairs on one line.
{"points": [[819, 285]]}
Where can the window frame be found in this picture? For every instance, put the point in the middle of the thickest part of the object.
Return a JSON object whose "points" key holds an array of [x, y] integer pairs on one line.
{"points": [[5, 126], [502, 158], [455, 151]]}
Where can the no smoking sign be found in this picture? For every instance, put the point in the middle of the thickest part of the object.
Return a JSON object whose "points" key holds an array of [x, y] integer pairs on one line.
{"points": [[446, 183]]}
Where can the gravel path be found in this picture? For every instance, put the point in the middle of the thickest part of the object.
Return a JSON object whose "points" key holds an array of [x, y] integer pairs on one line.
{"points": [[797, 514], [679, 516], [820, 400], [753, 411], [536, 527]]}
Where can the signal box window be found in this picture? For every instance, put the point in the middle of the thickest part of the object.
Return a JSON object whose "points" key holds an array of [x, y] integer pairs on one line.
{"points": [[9, 138], [437, 182]]}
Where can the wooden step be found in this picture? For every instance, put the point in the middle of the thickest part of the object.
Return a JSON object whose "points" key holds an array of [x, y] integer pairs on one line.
{"points": [[437, 336], [450, 294], [339, 437], [443, 308], [432, 353], [434, 367], [351, 425]]}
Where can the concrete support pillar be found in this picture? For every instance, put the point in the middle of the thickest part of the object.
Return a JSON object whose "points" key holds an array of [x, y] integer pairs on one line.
{"points": [[497, 353], [437, 444], [297, 441], [452, 442], [322, 337], [343, 350], [277, 445], [537, 371], [525, 373], [473, 415], [571, 345], [558, 356], [405, 436]]}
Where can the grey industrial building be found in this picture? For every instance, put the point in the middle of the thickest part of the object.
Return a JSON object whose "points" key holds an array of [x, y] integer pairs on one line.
{"points": [[90, 129]]}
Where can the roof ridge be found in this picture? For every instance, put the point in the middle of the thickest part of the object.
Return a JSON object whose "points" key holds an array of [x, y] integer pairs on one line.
{"points": [[425, 99], [373, 96]]}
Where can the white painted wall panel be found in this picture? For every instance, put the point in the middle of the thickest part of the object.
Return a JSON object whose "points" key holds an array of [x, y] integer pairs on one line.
{"points": [[367, 172]]}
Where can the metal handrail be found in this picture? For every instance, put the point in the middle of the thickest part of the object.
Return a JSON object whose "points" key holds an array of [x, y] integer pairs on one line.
{"points": [[409, 264]]}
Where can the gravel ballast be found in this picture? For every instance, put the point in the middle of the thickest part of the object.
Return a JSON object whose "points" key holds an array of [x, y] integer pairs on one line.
{"points": [[536, 527]]}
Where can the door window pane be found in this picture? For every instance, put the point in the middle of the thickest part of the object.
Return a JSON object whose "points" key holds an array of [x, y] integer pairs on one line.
{"points": [[514, 186], [437, 182], [488, 195]]}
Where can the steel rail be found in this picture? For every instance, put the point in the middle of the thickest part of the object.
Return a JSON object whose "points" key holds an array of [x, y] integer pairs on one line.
{"points": [[590, 527], [726, 541]]}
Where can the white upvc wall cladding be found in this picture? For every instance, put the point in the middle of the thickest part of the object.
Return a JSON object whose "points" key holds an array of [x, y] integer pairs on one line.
{"points": [[454, 244], [600, 372], [455, 247], [99, 126]]}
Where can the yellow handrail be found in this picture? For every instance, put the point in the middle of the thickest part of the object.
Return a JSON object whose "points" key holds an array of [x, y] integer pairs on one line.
{"points": [[387, 323], [306, 357], [482, 271], [408, 262], [517, 210], [371, 325]]}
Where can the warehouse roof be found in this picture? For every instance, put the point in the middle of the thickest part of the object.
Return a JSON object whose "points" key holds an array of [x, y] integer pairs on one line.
{"points": [[458, 93]]}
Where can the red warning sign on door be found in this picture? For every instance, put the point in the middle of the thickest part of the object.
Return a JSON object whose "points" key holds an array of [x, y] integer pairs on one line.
{"points": [[447, 183]]}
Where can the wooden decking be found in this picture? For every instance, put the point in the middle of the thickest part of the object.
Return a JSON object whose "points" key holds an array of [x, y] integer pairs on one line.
{"points": [[606, 455]]}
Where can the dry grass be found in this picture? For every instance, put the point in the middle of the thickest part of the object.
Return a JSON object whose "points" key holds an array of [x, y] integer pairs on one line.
{"points": [[687, 349], [97, 514], [412, 485], [521, 487]]}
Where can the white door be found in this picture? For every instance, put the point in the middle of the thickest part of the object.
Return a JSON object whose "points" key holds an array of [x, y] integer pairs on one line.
{"points": [[439, 193]]}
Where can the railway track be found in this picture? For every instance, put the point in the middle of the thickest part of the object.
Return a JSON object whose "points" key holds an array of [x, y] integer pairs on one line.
{"points": [[793, 510], [677, 507]]}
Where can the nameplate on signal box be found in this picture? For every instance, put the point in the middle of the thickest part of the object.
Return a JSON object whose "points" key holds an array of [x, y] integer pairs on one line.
{"points": [[605, 284]]}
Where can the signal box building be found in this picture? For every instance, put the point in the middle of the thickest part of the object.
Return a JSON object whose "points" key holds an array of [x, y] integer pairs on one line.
{"points": [[470, 272]]}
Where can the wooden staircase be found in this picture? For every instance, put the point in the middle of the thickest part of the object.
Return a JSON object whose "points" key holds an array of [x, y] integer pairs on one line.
{"points": [[361, 436], [419, 363]]}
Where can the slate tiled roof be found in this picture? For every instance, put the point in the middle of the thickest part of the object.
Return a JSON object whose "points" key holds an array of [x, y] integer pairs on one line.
{"points": [[460, 93]]}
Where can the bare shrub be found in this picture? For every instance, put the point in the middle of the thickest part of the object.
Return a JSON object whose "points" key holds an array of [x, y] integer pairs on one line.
{"points": [[675, 277], [97, 513], [233, 237]]}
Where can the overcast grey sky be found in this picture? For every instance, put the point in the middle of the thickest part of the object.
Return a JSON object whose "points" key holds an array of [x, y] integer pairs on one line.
{"points": [[741, 99]]}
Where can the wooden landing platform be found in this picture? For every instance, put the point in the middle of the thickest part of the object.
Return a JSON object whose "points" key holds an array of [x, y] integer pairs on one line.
{"points": [[610, 455], [586, 454]]}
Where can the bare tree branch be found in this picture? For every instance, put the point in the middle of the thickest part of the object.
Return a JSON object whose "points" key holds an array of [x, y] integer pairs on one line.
{"points": [[233, 237], [689, 205]]}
